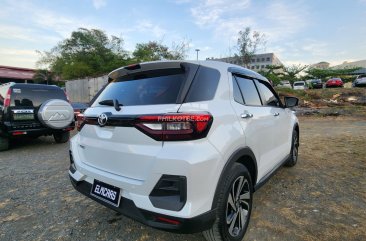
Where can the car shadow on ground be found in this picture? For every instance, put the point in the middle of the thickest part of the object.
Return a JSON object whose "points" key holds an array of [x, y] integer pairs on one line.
{"points": [[31, 142]]}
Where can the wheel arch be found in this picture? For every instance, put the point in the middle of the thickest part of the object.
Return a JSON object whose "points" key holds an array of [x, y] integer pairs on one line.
{"points": [[244, 156]]}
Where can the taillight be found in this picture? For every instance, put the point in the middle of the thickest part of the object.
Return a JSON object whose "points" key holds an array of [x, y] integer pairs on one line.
{"points": [[7, 98], [80, 121], [175, 127]]}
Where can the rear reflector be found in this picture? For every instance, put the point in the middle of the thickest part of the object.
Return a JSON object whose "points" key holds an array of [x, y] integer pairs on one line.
{"points": [[175, 127], [18, 133], [167, 220]]}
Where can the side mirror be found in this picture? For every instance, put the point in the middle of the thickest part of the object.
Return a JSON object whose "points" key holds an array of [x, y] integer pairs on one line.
{"points": [[291, 101]]}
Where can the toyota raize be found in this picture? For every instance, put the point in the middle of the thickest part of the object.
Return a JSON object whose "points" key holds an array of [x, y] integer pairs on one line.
{"points": [[182, 145]]}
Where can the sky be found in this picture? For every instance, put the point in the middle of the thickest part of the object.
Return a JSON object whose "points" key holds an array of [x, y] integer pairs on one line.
{"points": [[297, 31]]}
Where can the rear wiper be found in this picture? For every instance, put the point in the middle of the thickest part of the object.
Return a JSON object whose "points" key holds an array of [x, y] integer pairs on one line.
{"points": [[114, 103]]}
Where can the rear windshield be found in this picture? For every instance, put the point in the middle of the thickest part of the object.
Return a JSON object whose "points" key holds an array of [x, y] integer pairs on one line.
{"points": [[299, 84], [147, 88], [27, 97]]}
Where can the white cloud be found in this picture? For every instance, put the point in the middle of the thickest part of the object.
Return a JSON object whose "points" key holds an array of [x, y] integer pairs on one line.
{"points": [[62, 25], [284, 20], [26, 34], [147, 26], [229, 28], [208, 12], [38, 18], [18, 57], [182, 1], [99, 3], [224, 17], [316, 48]]}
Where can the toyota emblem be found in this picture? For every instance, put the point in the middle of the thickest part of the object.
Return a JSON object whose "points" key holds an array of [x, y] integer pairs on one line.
{"points": [[102, 119]]}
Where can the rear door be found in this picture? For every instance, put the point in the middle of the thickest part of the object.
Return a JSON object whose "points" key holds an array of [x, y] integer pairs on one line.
{"points": [[25, 102], [280, 119], [118, 147], [259, 121]]}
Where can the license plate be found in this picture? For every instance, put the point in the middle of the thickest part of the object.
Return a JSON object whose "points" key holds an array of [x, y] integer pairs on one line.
{"points": [[106, 192], [23, 116]]}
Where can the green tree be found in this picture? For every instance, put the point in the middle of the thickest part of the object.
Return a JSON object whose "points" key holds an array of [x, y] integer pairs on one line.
{"points": [[291, 72], [273, 73], [43, 76], [248, 44], [154, 50], [324, 74], [88, 52]]}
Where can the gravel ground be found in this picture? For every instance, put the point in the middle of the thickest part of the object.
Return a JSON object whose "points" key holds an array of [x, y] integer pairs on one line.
{"points": [[322, 198]]}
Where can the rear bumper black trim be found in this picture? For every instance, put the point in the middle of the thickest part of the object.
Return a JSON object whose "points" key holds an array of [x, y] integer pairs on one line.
{"points": [[128, 208]]}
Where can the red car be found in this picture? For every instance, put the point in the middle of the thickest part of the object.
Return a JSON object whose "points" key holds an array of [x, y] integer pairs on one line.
{"points": [[334, 82]]}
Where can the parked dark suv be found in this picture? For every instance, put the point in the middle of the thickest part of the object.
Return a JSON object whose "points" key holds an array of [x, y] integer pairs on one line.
{"points": [[34, 110]]}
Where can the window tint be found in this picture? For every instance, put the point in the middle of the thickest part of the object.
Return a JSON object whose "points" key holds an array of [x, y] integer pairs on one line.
{"points": [[204, 85], [29, 97], [249, 91], [149, 88], [268, 97]]}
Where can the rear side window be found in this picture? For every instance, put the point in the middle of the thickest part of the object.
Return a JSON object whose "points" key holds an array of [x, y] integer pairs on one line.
{"points": [[204, 85], [249, 91], [29, 97], [149, 88]]}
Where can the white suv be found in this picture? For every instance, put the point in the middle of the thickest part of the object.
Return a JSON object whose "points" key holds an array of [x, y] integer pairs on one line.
{"points": [[181, 146]]}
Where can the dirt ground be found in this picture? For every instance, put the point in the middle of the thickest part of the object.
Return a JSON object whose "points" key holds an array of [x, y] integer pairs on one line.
{"points": [[322, 198]]}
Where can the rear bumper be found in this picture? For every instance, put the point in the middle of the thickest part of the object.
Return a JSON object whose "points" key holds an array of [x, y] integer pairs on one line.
{"points": [[30, 130], [333, 85], [128, 208]]}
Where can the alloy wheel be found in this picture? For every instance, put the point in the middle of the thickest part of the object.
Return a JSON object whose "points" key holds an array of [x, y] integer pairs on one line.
{"points": [[238, 206]]}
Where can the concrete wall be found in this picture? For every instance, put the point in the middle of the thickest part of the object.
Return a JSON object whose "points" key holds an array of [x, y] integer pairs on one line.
{"points": [[83, 90]]}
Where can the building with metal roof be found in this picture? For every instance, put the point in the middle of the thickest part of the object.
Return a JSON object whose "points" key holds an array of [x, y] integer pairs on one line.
{"points": [[16, 74]]}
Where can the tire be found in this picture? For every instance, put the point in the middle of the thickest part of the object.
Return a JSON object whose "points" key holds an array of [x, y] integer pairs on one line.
{"points": [[225, 229], [61, 137], [4, 143], [294, 155]]}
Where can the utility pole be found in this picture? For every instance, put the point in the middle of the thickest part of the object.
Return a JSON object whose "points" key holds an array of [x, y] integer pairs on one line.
{"points": [[197, 52]]}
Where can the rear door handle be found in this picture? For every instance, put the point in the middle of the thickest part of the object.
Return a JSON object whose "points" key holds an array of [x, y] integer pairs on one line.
{"points": [[276, 114], [246, 115]]}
